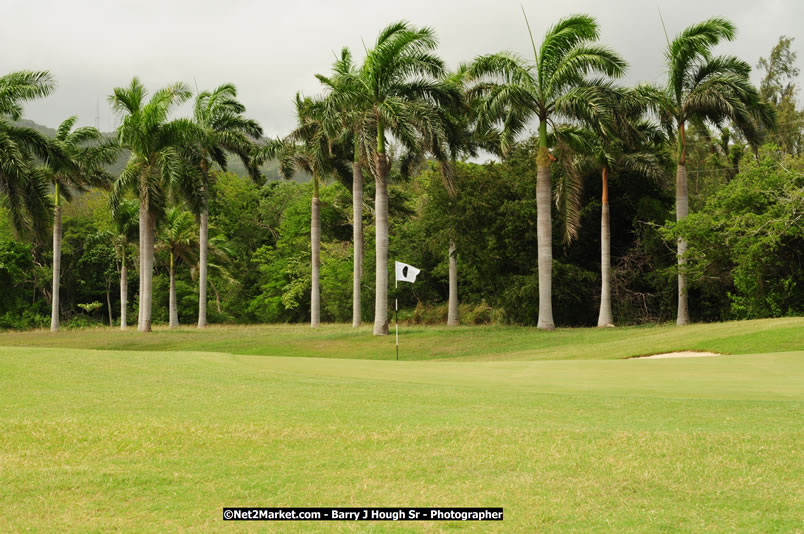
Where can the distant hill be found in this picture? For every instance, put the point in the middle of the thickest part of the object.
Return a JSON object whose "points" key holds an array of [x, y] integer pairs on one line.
{"points": [[50, 132], [270, 170]]}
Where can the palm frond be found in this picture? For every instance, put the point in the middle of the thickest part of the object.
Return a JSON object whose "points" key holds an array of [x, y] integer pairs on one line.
{"points": [[693, 44], [560, 39], [23, 86], [568, 196]]}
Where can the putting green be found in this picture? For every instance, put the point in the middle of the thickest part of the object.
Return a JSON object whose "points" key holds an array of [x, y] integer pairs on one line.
{"points": [[143, 441]]}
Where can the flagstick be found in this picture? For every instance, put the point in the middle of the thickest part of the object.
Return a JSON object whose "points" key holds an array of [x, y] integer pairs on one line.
{"points": [[396, 314]]}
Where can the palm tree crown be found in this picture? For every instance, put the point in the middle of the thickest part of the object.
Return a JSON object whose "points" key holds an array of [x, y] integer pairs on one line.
{"points": [[219, 116], [84, 152], [156, 143], [553, 86], [704, 87], [24, 188], [177, 235]]}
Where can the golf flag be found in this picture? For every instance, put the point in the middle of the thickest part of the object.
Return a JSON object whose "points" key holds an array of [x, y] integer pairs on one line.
{"points": [[405, 272]]}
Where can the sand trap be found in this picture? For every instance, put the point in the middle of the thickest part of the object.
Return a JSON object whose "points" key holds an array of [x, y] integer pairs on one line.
{"points": [[683, 354]]}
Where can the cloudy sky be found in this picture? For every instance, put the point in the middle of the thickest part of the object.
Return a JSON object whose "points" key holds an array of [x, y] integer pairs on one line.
{"points": [[272, 49]]}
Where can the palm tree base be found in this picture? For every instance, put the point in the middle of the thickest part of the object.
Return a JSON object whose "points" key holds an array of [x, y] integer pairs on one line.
{"points": [[381, 329]]}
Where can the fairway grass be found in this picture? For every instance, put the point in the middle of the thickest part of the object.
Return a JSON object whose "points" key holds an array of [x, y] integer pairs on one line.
{"points": [[158, 440], [434, 343]]}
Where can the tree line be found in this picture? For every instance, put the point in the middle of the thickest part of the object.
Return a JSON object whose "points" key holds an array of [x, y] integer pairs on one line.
{"points": [[401, 117]]}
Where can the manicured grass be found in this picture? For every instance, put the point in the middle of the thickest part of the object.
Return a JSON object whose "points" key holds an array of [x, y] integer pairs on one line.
{"points": [[426, 343], [93, 441]]}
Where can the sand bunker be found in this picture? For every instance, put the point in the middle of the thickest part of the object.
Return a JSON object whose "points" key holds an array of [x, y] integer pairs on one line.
{"points": [[683, 354]]}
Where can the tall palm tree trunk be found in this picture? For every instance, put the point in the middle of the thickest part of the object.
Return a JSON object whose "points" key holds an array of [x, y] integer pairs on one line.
{"points": [[315, 244], [452, 314], [109, 300], [174, 315], [148, 271], [357, 239], [143, 218], [381, 248], [544, 241], [682, 210], [605, 318], [202, 265], [544, 231], [123, 291], [55, 303]]}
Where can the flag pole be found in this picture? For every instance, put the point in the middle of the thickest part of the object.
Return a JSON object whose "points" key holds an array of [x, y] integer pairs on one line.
{"points": [[396, 313]]}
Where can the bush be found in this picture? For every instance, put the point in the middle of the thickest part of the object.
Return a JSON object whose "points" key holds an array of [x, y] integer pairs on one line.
{"points": [[83, 321], [747, 241], [27, 320], [470, 314], [480, 313]]}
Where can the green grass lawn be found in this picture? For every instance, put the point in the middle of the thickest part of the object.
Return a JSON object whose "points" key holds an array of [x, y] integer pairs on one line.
{"points": [[427, 343], [162, 431]]}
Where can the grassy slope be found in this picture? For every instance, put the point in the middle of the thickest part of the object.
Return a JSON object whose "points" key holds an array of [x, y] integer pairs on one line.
{"points": [[423, 343], [161, 441]]}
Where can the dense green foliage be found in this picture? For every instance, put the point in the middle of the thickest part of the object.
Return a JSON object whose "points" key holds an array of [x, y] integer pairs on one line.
{"points": [[748, 240], [266, 232]]}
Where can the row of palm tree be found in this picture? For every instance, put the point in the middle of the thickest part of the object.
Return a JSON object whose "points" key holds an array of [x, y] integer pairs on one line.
{"points": [[174, 157], [169, 158], [404, 90], [177, 240], [403, 94]]}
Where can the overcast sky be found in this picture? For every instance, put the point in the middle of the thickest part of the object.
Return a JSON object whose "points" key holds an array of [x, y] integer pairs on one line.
{"points": [[270, 50]]}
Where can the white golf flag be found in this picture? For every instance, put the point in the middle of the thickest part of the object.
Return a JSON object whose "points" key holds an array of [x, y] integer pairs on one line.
{"points": [[405, 272]]}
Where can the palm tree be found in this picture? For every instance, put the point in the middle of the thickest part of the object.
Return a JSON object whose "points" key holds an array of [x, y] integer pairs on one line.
{"points": [[611, 159], [157, 162], [121, 239], [702, 87], [23, 186], [626, 142], [400, 85], [219, 116], [125, 223], [307, 148], [84, 153], [553, 86], [462, 136], [178, 238], [221, 253], [342, 116]]}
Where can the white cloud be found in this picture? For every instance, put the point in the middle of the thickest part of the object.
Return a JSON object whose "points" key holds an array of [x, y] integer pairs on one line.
{"points": [[270, 50]]}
